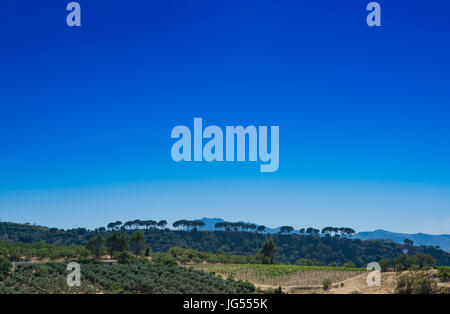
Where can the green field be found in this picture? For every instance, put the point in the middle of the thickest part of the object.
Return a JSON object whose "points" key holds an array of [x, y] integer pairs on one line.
{"points": [[281, 275]]}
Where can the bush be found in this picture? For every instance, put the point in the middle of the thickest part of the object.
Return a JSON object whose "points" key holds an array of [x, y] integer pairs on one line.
{"points": [[444, 273], [245, 286], [415, 284], [5, 266], [424, 285], [404, 284], [164, 259], [309, 262], [348, 265], [125, 257], [326, 283], [399, 267]]}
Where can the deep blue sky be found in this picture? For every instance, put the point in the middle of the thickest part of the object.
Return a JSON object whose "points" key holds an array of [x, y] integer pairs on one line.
{"points": [[86, 113]]}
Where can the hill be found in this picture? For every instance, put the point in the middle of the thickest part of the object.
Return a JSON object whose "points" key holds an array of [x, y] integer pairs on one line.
{"points": [[443, 240], [291, 248]]}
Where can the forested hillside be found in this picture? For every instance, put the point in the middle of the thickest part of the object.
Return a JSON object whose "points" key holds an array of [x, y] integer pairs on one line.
{"points": [[290, 247]]}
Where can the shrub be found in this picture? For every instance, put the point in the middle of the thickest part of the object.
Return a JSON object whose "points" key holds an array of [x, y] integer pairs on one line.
{"points": [[424, 285], [348, 265], [404, 284], [399, 267], [444, 273], [326, 283], [245, 286], [164, 259], [415, 284], [125, 257], [5, 266]]}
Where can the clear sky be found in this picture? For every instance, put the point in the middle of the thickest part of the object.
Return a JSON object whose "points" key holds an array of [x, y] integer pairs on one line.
{"points": [[364, 113]]}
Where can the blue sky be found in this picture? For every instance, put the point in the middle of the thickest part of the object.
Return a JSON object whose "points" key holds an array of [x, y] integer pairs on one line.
{"points": [[86, 113]]}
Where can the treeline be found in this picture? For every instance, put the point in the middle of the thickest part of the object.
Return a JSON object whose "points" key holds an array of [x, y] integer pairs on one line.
{"points": [[183, 224], [134, 224], [405, 262], [16, 251], [247, 227]]}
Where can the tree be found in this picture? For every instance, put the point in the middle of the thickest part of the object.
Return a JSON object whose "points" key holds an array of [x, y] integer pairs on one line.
{"points": [[348, 265], [162, 224], [327, 231], [124, 257], [138, 223], [148, 251], [96, 245], [268, 252], [326, 283], [219, 225], [180, 224], [137, 242], [128, 224], [261, 229], [188, 224], [111, 226], [347, 231], [197, 224], [5, 266], [149, 223], [408, 242], [384, 264], [117, 242], [252, 227], [425, 260], [286, 229]]}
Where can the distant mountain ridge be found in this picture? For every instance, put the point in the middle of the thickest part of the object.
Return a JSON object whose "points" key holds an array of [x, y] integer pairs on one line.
{"points": [[442, 240]]}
